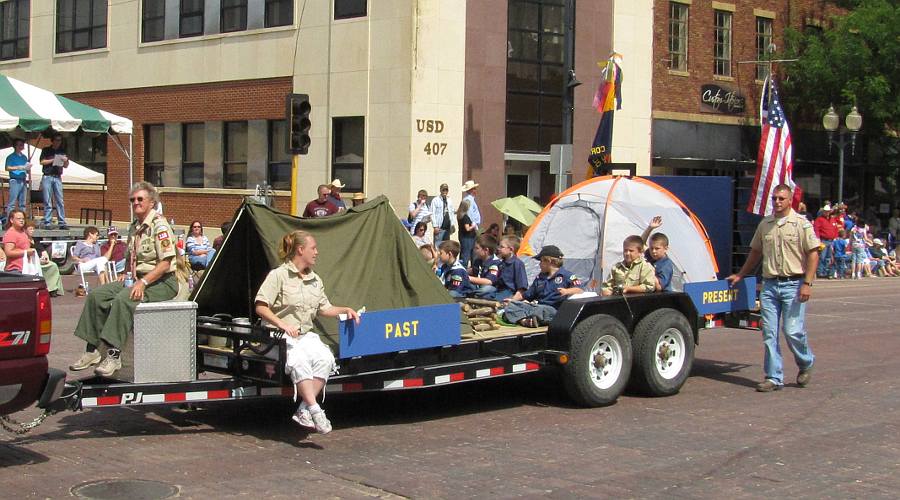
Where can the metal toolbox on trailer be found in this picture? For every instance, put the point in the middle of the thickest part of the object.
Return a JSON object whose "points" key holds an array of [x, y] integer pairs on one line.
{"points": [[163, 347]]}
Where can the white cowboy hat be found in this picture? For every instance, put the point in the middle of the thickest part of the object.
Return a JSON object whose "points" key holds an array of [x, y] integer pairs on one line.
{"points": [[337, 183], [469, 185], [826, 208]]}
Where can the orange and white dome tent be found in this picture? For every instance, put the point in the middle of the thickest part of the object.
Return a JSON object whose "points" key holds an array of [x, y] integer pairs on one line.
{"points": [[589, 222]]}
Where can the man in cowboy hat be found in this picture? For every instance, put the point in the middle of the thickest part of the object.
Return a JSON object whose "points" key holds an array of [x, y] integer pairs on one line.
{"points": [[335, 195], [358, 199], [471, 189], [825, 230]]}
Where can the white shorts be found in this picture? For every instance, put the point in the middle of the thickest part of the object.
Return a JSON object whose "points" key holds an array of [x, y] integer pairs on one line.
{"points": [[97, 265], [308, 358]]}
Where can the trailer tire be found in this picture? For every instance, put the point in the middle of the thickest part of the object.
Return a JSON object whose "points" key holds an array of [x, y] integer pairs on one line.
{"points": [[599, 361], [663, 353]]}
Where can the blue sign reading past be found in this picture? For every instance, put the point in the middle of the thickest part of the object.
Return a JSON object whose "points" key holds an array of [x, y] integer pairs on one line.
{"points": [[400, 330], [712, 297]]}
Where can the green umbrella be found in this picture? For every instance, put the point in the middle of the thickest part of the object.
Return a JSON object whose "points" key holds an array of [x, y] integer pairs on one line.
{"points": [[513, 208], [528, 204]]}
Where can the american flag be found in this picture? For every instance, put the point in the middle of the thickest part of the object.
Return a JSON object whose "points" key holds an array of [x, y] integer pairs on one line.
{"points": [[774, 163]]}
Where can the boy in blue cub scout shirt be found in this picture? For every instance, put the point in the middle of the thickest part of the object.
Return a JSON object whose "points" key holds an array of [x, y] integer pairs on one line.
{"points": [[512, 270], [453, 274], [657, 254], [546, 293], [485, 267]]}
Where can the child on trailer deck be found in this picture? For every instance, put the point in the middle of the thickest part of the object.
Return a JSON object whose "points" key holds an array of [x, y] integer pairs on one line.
{"points": [[485, 267], [633, 274], [453, 274], [657, 254], [512, 270], [546, 293]]}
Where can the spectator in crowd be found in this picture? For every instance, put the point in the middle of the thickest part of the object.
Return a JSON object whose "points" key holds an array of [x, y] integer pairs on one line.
{"points": [[826, 231], [494, 231], [512, 270], [49, 269], [113, 249], [453, 274], [217, 243], [658, 254], [334, 195], [430, 255], [631, 275], [471, 189], [16, 244], [840, 249], [443, 215], [418, 234], [321, 206], [538, 304], [467, 232], [485, 267], [87, 254], [358, 199], [18, 166], [894, 225], [859, 246], [54, 159], [199, 252], [881, 263], [2, 259], [419, 211]]}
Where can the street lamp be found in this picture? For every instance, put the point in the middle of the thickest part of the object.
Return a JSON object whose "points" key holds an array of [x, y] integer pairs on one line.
{"points": [[831, 121]]}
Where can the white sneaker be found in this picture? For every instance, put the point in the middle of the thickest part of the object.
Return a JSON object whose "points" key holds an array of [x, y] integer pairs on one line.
{"points": [[303, 418], [108, 366], [321, 422], [87, 360]]}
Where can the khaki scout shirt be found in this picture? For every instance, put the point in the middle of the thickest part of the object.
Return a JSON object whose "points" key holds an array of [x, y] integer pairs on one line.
{"points": [[293, 297], [784, 244], [150, 242], [640, 272]]}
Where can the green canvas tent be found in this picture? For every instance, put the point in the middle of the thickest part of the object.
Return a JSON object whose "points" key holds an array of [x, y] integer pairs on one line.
{"points": [[366, 258]]}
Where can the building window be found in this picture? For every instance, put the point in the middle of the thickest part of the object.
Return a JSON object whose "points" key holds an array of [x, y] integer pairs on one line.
{"points": [[345, 9], [348, 153], [534, 75], [233, 15], [763, 41], [678, 36], [154, 153], [193, 137], [89, 151], [722, 47], [14, 26], [235, 175], [279, 13], [190, 23], [80, 25], [153, 20], [279, 164]]}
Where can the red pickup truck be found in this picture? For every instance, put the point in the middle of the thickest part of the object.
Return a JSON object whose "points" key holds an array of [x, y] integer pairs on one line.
{"points": [[25, 326]]}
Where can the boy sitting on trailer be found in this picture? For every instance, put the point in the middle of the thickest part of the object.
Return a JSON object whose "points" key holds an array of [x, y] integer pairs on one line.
{"points": [[512, 270], [485, 267], [546, 293], [633, 274], [453, 274], [668, 277]]}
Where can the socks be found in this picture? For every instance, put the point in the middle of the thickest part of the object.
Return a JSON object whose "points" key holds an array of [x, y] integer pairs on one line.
{"points": [[90, 348], [315, 408], [114, 353]]}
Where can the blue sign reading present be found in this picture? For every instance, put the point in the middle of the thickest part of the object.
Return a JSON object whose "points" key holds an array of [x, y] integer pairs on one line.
{"points": [[712, 297], [405, 329]]}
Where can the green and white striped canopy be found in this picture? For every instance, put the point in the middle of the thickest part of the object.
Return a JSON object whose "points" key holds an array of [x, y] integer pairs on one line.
{"points": [[32, 109]]}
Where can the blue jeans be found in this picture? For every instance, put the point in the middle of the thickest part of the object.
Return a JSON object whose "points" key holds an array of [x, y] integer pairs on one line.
{"points": [[53, 199], [840, 264], [466, 244], [780, 309], [517, 311], [825, 269], [485, 291], [440, 236], [17, 191], [203, 260]]}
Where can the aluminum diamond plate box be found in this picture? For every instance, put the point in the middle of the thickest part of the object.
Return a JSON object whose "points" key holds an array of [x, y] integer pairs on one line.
{"points": [[164, 345]]}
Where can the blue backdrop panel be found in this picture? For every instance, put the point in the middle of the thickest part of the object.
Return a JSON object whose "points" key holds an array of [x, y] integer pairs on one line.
{"points": [[712, 297], [404, 329], [711, 198]]}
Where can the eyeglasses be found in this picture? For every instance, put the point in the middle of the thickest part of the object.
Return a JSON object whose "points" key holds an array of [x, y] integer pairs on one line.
{"points": [[139, 199]]}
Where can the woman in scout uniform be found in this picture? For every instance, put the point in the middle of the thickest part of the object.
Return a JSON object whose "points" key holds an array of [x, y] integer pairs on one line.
{"points": [[108, 315], [290, 298]]}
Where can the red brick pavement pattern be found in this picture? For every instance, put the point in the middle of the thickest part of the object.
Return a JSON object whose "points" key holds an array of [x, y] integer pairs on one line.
{"points": [[520, 436]]}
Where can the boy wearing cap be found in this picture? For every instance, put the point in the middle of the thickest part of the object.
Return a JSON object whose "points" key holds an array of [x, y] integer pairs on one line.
{"points": [[452, 273], [485, 267], [538, 304], [113, 249], [633, 274]]}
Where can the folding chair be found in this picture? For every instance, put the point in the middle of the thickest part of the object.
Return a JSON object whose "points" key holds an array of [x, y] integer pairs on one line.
{"points": [[84, 284]]}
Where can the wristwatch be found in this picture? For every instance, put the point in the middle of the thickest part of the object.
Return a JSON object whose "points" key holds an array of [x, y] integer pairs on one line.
{"points": [[807, 283], [145, 282]]}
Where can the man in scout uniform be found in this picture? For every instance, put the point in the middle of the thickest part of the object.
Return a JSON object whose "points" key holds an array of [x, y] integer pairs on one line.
{"points": [[108, 315], [633, 274], [789, 250]]}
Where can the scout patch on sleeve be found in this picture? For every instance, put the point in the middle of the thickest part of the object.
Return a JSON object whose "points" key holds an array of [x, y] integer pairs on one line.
{"points": [[576, 281], [165, 243], [494, 269], [163, 235], [558, 280]]}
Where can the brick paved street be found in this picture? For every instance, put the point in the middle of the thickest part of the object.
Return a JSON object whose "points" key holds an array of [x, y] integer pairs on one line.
{"points": [[520, 436]]}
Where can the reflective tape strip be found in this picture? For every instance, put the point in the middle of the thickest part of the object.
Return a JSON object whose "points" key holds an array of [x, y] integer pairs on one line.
{"points": [[525, 367], [393, 384], [87, 402], [154, 398]]}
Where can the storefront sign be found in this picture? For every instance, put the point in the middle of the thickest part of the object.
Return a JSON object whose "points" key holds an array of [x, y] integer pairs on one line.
{"points": [[722, 100]]}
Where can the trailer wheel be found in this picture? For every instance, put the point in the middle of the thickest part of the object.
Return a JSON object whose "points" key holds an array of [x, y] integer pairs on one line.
{"points": [[599, 361], [663, 353]]}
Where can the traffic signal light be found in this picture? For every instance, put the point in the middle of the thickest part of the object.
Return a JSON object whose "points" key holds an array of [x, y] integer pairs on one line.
{"points": [[297, 114]]}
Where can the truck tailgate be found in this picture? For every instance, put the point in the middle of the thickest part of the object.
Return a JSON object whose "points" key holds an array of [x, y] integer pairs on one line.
{"points": [[18, 317]]}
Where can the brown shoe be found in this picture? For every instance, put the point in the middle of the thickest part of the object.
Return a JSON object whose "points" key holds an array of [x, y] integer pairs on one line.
{"points": [[80, 292], [767, 386], [804, 376]]}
